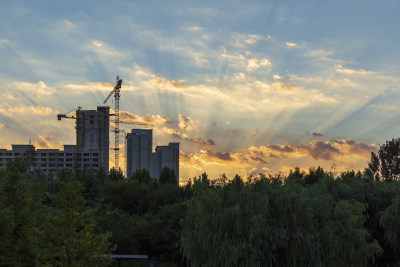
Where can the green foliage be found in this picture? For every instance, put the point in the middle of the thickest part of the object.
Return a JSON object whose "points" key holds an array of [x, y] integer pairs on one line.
{"points": [[390, 221], [116, 175], [386, 164], [21, 215], [276, 224], [68, 238], [168, 175], [141, 176]]}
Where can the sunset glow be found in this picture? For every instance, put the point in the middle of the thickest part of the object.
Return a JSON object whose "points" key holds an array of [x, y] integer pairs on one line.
{"points": [[245, 87]]}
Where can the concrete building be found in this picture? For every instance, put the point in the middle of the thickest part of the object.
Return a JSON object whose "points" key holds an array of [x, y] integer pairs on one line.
{"points": [[139, 151], [139, 154], [166, 156], [93, 135], [49, 160]]}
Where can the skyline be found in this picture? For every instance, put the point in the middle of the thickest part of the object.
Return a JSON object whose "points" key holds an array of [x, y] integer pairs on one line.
{"points": [[244, 87]]}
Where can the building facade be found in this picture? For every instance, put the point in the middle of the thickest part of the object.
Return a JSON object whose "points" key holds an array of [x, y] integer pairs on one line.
{"points": [[166, 156], [139, 154], [93, 134], [139, 146], [49, 160]]}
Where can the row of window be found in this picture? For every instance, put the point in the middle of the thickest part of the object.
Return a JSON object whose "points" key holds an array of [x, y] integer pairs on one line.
{"points": [[59, 160], [9, 154], [39, 166]]}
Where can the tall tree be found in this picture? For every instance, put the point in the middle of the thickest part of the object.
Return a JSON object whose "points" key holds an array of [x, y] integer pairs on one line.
{"points": [[386, 164], [168, 175], [69, 238], [21, 215]]}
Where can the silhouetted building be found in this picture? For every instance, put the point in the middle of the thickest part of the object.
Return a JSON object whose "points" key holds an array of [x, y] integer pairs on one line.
{"points": [[49, 160], [139, 147], [166, 156], [94, 134], [139, 154]]}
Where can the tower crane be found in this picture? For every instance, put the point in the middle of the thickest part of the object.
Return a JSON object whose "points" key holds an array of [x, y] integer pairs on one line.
{"points": [[77, 117], [116, 92], [77, 128]]}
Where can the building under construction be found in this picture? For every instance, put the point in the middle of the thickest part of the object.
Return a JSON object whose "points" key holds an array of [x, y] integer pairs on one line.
{"points": [[92, 134], [90, 152]]}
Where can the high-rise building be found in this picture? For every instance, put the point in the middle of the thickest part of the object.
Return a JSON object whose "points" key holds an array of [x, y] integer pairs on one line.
{"points": [[139, 147], [139, 154], [166, 156], [93, 133]]}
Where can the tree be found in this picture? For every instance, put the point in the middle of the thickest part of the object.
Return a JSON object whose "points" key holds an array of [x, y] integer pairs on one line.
{"points": [[21, 215], [141, 176], [68, 238], [386, 164], [168, 175], [116, 175]]}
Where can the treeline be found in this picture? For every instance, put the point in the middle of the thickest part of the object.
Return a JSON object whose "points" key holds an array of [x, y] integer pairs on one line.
{"points": [[313, 218]]}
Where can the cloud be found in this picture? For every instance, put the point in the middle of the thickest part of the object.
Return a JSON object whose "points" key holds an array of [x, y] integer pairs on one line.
{"points": [[198, 140], [47, 141], [253, 38], [340, 69], [224, 156], [254, 64], [319, 149], [177, 134], [186, 123], [11, 111], [40, 88], [173, 132], [319, 53], [288, 44], [277, 77], [194, 29], [97, 44], [315, 134], [149, 120]]}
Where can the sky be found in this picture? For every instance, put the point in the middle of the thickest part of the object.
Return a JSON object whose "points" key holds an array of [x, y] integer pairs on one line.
{"points": [[246, 87]]}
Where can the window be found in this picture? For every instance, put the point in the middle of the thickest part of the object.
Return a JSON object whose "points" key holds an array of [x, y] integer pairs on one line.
{"points": [[9, 154], [69, 154], [69, 165], [86, 154], [42, 165], [16, 154], [44, 154]]}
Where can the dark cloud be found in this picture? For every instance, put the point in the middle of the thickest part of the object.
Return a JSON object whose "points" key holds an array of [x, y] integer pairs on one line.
{"points": [[320, 150], [356, 147], [199, 141], [226, 156], [147, 119], [258, 159], [317, 134], [281, 148]]}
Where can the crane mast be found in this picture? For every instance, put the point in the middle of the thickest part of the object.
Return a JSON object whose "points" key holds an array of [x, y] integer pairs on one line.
{"points": [[116, 91]]}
